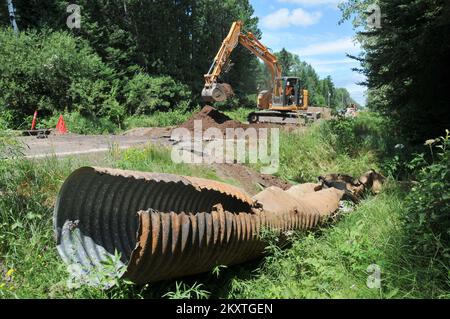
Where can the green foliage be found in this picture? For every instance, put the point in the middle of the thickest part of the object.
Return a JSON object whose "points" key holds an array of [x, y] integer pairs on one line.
{"points": [[145, 95], [176, 38], [345, 145], [428, 205], [51, 71], [158, 119], [182, 291], [56, 74], [158, 159], [405, 62], [368, 131], [76, 123], [239, 114]]}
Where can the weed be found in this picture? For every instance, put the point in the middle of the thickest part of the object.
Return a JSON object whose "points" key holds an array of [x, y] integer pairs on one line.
{"points": [[158, 119], [403, 235], [184, 291]]}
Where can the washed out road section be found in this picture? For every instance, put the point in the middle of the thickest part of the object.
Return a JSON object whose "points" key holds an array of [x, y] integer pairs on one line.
{"points": [[69, 145]]}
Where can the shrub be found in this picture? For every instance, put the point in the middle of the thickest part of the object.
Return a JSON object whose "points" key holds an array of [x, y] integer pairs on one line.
{"points": [[158, 119], [428, 204], [52, 71], [145, 94], [368, 130]]}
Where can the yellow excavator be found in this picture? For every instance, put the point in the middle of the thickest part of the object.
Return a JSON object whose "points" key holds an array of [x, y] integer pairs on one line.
{"points": [[285, 102]]}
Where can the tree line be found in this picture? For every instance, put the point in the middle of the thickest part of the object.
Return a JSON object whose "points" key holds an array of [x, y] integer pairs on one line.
{"points": [[406, 62], [129, 57]]}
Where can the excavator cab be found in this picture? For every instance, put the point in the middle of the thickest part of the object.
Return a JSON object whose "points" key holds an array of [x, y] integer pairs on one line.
{"points": [[288, 95]]}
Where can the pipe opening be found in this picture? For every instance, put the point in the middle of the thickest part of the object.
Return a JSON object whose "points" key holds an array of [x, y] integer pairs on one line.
{"points": [[96, 213]]}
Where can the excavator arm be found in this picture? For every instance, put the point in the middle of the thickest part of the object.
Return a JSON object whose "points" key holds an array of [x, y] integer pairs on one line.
{"points": [[216, 92], [261, 51]]}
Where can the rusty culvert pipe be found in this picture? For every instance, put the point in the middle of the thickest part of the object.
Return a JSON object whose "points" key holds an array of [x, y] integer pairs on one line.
{"points": [[167, 226]]}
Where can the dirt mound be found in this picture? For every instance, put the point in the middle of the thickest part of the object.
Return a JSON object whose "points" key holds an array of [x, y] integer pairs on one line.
{"points": [[211, 117], [250, 180]]}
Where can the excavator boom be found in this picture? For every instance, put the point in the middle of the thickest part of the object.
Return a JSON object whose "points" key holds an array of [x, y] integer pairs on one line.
{"points": [[219, 92]]}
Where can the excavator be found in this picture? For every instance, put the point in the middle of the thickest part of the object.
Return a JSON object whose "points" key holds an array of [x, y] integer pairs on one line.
{"points": [[283, 103]]}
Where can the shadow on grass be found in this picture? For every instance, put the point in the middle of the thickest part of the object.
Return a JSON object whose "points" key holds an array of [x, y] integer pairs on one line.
{"points": [[217, 285]]}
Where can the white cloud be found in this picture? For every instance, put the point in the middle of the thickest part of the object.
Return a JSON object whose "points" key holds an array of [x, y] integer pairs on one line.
{"points": [[333, 66], [283, 18], [332, 62], [357, 92], [355, 88], [343, 45], [312, 2]]}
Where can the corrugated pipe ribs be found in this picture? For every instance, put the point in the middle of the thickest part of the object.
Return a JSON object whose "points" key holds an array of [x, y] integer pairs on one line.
{"points": [[167, 226]]}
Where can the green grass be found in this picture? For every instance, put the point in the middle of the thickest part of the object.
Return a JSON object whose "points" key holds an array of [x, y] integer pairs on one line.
{"points": [[329, 263], [28, 192], [239, 114], [91, 126], [78, 124], [158, 119], [304, 156]]}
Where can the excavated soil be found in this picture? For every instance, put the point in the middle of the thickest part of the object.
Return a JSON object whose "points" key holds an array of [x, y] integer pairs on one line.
{"points": [[251, 181], [210, 117]]}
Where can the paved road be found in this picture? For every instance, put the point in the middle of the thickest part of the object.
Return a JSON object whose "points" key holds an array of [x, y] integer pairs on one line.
{"points": [[72, 144], [66, 145]]}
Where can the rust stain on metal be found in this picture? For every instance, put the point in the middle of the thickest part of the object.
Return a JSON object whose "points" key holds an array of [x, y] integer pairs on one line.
{"points": [[167, 226]]}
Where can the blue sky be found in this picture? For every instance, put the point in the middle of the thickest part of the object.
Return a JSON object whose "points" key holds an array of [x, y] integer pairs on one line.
{"points": [[310, 29]]}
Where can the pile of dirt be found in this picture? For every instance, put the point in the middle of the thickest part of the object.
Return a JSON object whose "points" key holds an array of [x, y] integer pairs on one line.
{"points": [[211, 117], [251, 181]]}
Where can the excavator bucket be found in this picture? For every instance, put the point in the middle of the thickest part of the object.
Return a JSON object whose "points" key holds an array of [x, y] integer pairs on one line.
{"points": [[217, 92]]}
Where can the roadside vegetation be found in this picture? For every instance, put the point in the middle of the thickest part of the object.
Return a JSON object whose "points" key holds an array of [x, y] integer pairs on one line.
{"points": [[401, 230], [117, 73]]}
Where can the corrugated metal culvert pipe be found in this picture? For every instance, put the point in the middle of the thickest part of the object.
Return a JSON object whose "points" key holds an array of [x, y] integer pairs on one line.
{"points": [[167, 226]]}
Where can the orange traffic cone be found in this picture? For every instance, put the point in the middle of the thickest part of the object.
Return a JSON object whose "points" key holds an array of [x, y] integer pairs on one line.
{"points": [[61, 126]]}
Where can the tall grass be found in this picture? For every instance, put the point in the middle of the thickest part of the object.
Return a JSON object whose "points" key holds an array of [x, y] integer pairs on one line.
{"points": [[334, 146], [29, 264], [329, 263], [86, 125], [333, 263], [158, 119], [78, 124]]}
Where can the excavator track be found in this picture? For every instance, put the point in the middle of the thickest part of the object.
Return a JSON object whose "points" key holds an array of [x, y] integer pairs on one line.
{"points": [[279, 117]]}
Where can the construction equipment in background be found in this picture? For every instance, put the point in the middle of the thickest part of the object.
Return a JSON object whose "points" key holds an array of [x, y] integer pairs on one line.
{"points": [[39, 133], [61, 126], [351, 111], [285, 102]]}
